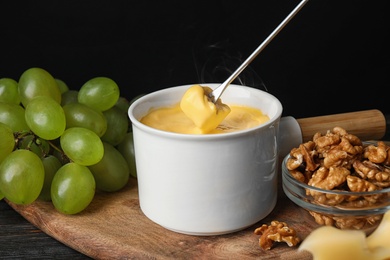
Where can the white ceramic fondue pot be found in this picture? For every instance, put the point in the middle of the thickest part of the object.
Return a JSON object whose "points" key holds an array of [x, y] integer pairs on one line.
{"points": [[207, 184]]}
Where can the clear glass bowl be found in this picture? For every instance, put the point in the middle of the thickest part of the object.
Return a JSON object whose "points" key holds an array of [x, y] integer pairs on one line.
{"points": [[342, 209]]}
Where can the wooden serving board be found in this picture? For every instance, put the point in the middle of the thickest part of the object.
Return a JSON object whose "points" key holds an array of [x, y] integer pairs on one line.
{"points": [[114, 227]]}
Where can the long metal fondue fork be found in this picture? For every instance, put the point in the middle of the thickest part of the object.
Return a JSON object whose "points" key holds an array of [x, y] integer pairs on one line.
{"points": [[217, 92]]}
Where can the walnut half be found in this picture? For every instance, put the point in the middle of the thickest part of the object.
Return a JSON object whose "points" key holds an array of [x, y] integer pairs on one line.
{"points": [[276, 232]]}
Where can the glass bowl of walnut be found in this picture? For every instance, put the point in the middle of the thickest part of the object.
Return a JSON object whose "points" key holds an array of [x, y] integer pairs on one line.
{"points": [[339, 180]]}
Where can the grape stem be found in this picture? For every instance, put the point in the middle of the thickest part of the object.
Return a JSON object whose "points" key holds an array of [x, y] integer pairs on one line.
{"points": [[22, 134], [63, 155]]}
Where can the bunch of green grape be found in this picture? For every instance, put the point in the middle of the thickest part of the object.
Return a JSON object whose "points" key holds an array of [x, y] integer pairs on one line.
{"points": [[63, 145]]}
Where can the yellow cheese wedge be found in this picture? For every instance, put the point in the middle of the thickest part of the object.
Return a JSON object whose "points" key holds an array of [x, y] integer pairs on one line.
{"points": [[381, 235], [205, 114], [327, 242]]}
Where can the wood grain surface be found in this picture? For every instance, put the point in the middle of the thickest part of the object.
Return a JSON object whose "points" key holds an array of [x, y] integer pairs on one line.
{"points": [[19, 239], [366, 124], [114, 227]]}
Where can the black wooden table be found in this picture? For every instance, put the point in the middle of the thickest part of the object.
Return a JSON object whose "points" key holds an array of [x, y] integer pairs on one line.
{"points": [[19, 239]]}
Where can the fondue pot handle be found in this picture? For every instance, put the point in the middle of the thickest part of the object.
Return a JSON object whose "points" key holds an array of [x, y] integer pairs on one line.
{"points": [[366, 124]]}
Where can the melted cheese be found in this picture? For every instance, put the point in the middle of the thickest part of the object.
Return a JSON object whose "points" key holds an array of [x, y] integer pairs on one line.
{"points": [[196, 115]]}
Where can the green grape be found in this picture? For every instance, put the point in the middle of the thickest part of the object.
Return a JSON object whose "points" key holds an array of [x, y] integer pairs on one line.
{"points": [[82, 146], [126, 148], [13, 116], [84, 116], [123, 104], [9, 92], [117, 126], [130, 127], [21, 177], [35, 144], [36, 82], [72, 188], [7, 141], [60, 155], [62, 86], [70, 96], [111, 172], [51, 165], [100, 93], [45, 117]]}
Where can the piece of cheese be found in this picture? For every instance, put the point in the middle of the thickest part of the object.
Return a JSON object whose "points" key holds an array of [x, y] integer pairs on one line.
{"points": [[328, 242], [381, 235], [205, 114]]}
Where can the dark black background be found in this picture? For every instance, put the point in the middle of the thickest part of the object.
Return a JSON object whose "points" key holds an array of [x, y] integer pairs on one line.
{"points": [[333, 57]]}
